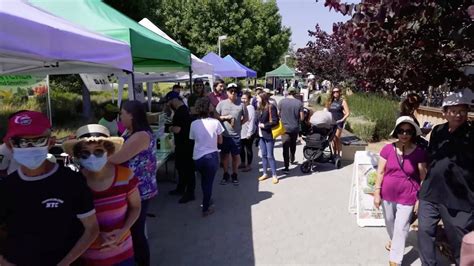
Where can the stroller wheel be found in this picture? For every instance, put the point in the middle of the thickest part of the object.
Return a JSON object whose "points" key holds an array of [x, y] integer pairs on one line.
{"points": [[306, 167], [307, 152], [314, 167], [337, 162]]}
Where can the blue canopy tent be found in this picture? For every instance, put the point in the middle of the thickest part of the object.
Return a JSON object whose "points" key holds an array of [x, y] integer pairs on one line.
{"points": [[222, 68], [250, 73]]}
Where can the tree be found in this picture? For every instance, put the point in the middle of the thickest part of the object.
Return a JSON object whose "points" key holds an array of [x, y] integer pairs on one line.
{"points": [[325, 57], [136, 9], [416, 43], [256, 36]]}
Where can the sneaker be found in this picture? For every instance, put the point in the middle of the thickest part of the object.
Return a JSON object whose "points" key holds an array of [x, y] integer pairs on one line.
{"points": [[208, 212], [286, 170], [235, 180], [225, 179], [211, 203], [186, 199], [176, 192], [275, 180], [263, 177]]}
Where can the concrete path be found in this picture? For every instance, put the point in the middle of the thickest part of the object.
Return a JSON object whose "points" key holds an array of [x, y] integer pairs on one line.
{"points": [[301, 220]]}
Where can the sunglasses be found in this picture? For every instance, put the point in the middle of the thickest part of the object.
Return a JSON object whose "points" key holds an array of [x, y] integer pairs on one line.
{"points": [[402, 131], [29, 142], [84, 154]]}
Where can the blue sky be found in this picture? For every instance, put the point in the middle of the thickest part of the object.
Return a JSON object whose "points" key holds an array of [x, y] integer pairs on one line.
{"points": [[302, 15]]}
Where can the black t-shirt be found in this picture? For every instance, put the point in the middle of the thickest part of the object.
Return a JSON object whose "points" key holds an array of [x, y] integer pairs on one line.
{"points": [[450, 177], [290, 109], [182, 119], [42, 215]]}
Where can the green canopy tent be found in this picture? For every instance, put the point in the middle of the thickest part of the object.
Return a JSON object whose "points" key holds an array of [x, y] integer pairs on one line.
{"points": [[150, 52], [282, 71]]}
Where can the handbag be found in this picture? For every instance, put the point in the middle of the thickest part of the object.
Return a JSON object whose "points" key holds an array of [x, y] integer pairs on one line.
{"points": [[278, 130]]}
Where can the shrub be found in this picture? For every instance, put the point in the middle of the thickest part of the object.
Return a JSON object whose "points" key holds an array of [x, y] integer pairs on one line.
{"points": [[381, 110], [361, 127]]}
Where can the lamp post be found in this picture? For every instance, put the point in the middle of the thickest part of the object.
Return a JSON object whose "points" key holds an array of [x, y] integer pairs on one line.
{"points": [[286, 56], [219, 39]]}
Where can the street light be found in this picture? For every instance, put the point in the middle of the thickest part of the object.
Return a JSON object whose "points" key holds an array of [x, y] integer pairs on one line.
{"points": [[219, 39], [286, 56]]}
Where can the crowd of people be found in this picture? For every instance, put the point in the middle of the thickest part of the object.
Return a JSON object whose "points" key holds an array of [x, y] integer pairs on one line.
{"points": [[97, 215]]}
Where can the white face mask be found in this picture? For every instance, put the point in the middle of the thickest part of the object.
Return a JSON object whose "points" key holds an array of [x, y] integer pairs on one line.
{"points": [[31, 158], [94, 163]]}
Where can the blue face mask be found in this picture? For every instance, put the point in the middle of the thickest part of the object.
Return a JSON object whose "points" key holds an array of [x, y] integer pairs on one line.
{"points": [[93, 163], [31, 158]]}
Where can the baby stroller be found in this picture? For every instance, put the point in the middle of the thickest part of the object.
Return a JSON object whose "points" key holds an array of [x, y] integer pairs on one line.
{"points": [[318, 137]]}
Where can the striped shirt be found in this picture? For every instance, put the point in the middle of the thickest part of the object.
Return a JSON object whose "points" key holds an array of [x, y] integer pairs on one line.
{"points": [[111, 209]]}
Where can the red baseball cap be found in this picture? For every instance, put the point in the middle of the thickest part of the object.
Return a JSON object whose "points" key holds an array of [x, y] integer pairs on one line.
{"points": [[27, 123]]}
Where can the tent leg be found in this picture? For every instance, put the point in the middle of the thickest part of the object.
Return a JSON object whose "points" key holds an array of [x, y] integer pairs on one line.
{"points": [[149, 92]]}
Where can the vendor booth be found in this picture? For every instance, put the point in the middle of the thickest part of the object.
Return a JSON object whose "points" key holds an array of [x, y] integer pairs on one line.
{"points": [[223, 68]]}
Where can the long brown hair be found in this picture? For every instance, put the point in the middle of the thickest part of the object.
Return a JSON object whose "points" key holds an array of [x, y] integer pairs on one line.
{"points": [[331, 97], [265, 101]]}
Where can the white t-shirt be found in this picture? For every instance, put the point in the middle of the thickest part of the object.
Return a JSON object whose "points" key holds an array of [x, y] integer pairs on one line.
{"points": [[204, 132]]}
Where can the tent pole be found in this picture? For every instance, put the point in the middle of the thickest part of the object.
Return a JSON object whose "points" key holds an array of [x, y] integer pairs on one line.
{"points": [[49, 113], [149, 92], [191, 80]]}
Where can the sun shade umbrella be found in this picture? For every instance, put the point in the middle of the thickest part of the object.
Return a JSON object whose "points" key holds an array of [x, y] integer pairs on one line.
{"points": [[35, 42], [150, 52]]}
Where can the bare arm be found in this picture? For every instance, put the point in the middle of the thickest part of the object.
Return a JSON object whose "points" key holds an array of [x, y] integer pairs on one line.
{"points": [[219, 139], [423, 170], [137, 143], [91, 232], [301, 116], [346, 110], [175, 129], [378, 182]]}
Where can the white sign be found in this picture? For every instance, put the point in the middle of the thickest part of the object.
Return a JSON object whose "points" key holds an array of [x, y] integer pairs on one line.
{"points": [[361, 200], [97, 82]]}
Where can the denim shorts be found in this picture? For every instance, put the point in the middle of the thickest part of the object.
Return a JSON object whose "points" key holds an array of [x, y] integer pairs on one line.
{"points": [[230, 145]]}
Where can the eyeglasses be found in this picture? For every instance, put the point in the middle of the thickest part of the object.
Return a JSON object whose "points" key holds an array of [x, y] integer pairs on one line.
{"points": [[84, 154], [402, 131], [455, 113], [27, 142]]}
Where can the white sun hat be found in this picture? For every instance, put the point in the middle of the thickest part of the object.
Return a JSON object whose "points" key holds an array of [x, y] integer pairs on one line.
{"points": [[408, 120]]}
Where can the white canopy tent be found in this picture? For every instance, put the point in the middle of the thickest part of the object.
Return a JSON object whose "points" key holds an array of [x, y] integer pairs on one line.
{"points": [[200, 69]]}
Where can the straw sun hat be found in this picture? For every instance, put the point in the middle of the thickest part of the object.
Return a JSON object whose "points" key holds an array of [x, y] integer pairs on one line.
{"points": [[91, 132]]}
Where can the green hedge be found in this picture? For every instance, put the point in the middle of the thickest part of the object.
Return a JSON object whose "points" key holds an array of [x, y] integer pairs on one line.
{"points": [[361, 127]]}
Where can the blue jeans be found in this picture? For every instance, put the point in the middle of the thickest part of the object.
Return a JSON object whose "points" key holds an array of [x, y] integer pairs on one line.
{"points": [[207, 166], [266, 147]]}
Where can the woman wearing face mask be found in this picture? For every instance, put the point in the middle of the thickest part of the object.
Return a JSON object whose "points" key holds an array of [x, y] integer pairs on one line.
{"points": [[115, 192], [139, 152], [401, 169]]}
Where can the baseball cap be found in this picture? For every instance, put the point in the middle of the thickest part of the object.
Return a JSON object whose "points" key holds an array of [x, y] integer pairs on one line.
{"points": [[463, 97], [172, 95], [27, 123], [232, 86]]}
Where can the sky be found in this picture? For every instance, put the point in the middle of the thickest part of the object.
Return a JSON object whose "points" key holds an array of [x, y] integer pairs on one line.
{"points": [[303, 15]]}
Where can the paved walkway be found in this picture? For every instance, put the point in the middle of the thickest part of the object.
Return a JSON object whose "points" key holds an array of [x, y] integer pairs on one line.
{"points": [[301, 220]]}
